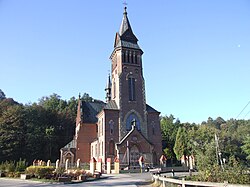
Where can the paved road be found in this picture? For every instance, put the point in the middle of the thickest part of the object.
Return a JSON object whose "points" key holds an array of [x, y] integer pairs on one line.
{"points": [[128, 180]]}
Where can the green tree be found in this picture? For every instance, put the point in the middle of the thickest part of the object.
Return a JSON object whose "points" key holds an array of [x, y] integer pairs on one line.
{"points": [[12, 133], [181, 146], [2, 95], [246, 147], [53, 102], [86, 97], [169, 128]]}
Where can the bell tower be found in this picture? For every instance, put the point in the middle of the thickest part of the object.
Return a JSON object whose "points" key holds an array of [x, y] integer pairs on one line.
{"points": [[128, 88]]}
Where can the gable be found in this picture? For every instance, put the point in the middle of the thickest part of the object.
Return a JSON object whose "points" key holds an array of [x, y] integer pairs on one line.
{"points": [[134, 137]]}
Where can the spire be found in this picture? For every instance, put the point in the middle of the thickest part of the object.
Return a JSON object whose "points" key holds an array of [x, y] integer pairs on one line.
{"points": [[108, 89], [125, 37], [108, 85], [79, 114], [125, 23], [126, 32]]}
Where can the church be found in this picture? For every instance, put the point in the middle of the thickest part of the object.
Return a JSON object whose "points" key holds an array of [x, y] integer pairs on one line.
{"points": [[124, 127]]}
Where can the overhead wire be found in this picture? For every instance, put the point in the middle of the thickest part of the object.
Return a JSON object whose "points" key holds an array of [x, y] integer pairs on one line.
{"points": [[243, 109], [246, 114]]}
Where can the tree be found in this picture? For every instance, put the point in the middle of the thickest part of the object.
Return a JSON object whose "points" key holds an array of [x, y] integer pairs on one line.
{"points": [[86, 97], [2, 95], [246, 147], [169, 130], [12, 133], [181, 146], [51, 103]]}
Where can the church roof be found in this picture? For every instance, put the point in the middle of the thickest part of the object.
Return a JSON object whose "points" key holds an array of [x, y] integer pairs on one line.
{"points": [[90, 110], [150, 109], [111, 105], [71, 144]]}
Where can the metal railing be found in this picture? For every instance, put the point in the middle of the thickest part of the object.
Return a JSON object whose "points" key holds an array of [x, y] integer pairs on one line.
{"points": [[164, 181]]}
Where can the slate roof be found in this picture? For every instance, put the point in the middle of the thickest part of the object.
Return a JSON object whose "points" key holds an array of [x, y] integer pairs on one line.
{"points": [[111, 105], [90, 110], [150, 109], [126, 32], [71, 144], [125, 37]]}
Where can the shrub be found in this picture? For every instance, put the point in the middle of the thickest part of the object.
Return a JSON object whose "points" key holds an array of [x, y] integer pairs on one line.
{"points": [[233, 172], [12, 169], [40, 171], [21, 165]]}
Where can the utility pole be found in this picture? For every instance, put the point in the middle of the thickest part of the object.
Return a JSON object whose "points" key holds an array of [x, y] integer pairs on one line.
{"points": [[218, 152]]}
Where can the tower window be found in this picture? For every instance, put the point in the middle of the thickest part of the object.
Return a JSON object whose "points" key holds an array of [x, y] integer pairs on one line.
{"points": [[126, 57], [131, 87], [114, 89], [111, 126], [153, 128], [101, 128], [136, 57]]}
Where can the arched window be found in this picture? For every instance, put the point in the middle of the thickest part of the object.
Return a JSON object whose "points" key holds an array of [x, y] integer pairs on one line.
{"points": [[130, 57], [101, 128], [153, 128], [131, 88], [92, 151], [111, 147], [111, 126], [133, 120], [123, 57], [136, 58], [114, 85], [126, 56], [96, 150]]}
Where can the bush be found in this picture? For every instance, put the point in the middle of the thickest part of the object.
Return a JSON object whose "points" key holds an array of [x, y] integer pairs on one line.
{"points": [[12, 169], [21, 165], [40, 172], [233, 172]]}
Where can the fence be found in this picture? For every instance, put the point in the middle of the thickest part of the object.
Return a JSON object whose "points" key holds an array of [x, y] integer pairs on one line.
{"points": [[163, 181]]}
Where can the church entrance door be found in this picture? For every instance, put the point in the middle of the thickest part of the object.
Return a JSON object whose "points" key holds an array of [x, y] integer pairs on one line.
{"points": [[134, 156]]}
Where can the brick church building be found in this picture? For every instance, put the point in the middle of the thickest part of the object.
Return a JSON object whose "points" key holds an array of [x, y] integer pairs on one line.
{"points": [[125, 126]]}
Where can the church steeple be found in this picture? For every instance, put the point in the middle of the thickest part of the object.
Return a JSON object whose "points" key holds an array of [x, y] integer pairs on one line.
{"points": [[128, 89], [108, 89], [125, 37], [79, 114]]}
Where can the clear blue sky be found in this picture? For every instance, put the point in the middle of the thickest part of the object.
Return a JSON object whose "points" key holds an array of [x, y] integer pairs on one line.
{"points": [[196, 52]]}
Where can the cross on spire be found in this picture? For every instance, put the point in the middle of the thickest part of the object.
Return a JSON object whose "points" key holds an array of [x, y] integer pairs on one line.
{"points": [[125, 6], [125, 3]]}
